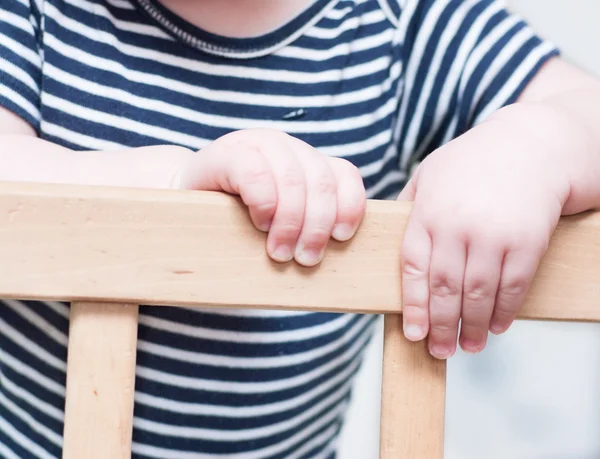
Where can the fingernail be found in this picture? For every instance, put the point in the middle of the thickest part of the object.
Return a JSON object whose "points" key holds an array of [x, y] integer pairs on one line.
{"points": [[342, 232], [413, 332], [283, 253], [439, 351], [308, 257], [265, 227], [471, 347], [497, 329]]}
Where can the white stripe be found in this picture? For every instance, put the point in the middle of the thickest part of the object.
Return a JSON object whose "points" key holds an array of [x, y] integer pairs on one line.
{"points": [[508, 51], [397, 177], [514, 80], [232, 71], [315, 127], [31, 347], [483, 48], [17, 21], [33, 375], [30, 399], [82, 140], [158, 428], [285, 336], [246, 411], [57, 307], [7, 453], [35, 425], [100, 10], [385, 7], [361, 147], [20, 101], [193, 90], [415, 63], [338, 14], [352, 23], [163, 453], [227, 361], [324, 437], [122, 4], [197, 383], [452, 79], [163, 107], [23, 441], [19, 49], [122, 122], [342, 49], [478, 54], [46, 327]]}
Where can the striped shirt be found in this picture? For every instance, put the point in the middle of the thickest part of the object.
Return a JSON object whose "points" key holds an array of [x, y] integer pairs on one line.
{"points": [[380, 83]]}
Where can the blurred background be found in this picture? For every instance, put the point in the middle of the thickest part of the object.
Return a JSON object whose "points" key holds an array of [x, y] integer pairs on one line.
{"points": [[534, 393]]}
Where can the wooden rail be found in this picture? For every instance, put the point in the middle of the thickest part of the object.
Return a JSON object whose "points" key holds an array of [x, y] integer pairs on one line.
{"points": [[110, 249]]}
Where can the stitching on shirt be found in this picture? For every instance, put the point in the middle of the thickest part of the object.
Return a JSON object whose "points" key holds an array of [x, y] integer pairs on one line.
{"points": [[223, 51]]}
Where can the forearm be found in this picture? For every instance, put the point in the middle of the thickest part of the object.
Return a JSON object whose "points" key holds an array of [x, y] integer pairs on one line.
{"points": [[30, 159]]}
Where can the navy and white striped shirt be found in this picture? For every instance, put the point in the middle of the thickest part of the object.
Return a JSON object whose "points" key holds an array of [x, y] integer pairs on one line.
{"points": [[381, 83]]}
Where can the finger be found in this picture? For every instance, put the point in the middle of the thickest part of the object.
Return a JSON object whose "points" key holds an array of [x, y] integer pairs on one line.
{"points": [[415, 259], [321, 206], [351, 199], [518, 270], [448, 259], [410, 189], [290, 181], [482, 276], [408, 192], [237, 170]]}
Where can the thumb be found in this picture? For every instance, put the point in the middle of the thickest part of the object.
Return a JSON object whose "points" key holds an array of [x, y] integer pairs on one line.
{"points": [[410, 189]]}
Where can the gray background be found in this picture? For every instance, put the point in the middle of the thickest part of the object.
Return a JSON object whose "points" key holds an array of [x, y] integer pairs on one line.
{"points": [[535, 392]]}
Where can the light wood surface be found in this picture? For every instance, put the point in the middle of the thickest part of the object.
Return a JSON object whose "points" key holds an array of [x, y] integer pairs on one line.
{"points": [[100, 381], [199, 248], [413, 398]]}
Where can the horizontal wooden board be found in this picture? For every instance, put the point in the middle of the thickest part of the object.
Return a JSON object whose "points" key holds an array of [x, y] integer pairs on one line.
{"points": [[187, 248]]}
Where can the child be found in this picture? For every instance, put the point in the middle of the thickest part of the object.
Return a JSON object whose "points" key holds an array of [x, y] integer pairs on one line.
{"points": [[304, 109]]}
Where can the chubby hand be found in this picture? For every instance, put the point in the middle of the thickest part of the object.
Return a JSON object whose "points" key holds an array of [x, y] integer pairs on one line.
{"points": [[299, 196], [485, 206]]}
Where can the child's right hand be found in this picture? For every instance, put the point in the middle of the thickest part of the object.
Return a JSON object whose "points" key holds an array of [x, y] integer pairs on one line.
{"points": [[299, 196]]}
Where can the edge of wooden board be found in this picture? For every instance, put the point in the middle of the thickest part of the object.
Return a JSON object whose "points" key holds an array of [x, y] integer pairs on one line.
{"points": [[190, 248]]}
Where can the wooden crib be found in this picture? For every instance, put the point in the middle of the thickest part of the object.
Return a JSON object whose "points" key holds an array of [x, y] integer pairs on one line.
{"points": [[108, 250]]}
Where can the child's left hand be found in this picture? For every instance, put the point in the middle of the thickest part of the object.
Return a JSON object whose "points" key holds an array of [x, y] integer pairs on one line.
{"points": [[485, 207]]}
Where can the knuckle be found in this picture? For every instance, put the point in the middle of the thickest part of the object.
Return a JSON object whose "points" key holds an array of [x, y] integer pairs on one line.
{"points": [[514, 287], [325, 184], [292, 178], [289, 229], [478, 292], [411, 269], [443, 286], [316, 236]]}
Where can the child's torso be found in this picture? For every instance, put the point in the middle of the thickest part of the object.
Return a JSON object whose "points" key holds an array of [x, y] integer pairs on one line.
{"points": [[233, 383]]}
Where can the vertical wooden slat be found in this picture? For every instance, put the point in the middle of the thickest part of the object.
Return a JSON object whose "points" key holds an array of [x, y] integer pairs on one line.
{"points": [[413, 398], [100, 381]]}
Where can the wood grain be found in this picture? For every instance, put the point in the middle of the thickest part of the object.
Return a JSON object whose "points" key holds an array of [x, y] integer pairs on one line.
{"points": [[199, 248], [413, 398], [100, 381]]}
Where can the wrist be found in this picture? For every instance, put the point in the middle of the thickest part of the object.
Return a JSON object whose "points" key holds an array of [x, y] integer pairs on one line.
{"points": [[564, 144]]}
